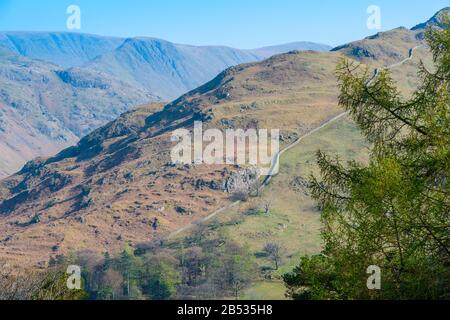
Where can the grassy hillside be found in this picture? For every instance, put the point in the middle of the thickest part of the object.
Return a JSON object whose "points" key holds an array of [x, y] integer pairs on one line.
{"points": [[293, 221]]}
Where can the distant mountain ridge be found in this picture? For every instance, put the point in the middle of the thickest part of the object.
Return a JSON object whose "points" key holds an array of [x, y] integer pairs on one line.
{"points": [[159, 67], [72, 49], [166, 69], [61, 48]]}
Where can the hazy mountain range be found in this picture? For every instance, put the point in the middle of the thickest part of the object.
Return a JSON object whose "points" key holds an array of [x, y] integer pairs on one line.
{"points": [[57, 87], [161, 68], [44, 108], [101, 194]]}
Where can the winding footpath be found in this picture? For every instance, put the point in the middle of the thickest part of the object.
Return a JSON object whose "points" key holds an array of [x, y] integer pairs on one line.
{"points": [[273, 171]]}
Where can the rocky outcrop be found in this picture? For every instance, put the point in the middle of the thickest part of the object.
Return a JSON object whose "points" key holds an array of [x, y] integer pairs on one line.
{"points": [[79, 78], [242, 180]]}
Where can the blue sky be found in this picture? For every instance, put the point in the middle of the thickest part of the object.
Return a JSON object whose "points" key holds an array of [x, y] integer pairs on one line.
{"points": [[236, 23]]}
